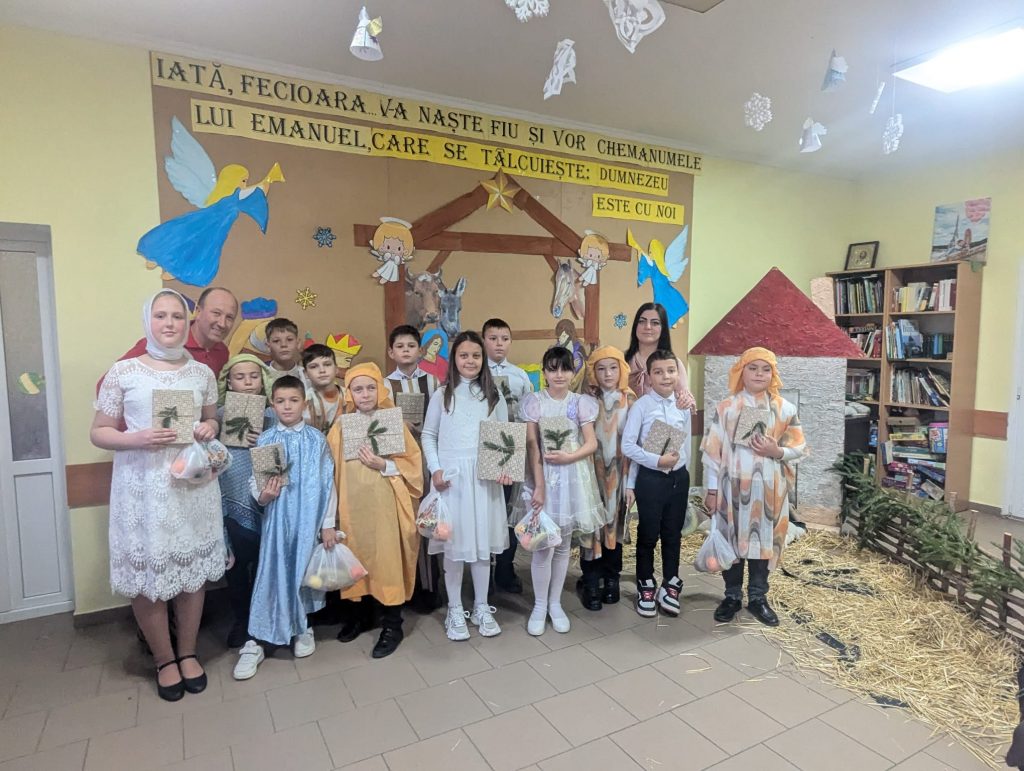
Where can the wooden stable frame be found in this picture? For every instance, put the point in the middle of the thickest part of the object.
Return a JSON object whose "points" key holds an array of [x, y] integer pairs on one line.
{"points": [[431, 232]]}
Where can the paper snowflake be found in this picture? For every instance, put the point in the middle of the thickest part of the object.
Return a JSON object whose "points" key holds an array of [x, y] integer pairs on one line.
{"points": [[757, 112], [619, 320], [893, 132], [306, 298], [324, 237], [527, 9]]}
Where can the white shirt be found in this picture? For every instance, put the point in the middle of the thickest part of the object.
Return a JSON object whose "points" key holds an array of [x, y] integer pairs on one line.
{"points": [[432, 384], [642, 415]]}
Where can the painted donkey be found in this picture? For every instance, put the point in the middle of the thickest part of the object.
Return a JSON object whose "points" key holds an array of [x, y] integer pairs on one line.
{"points": [[451, 307]]}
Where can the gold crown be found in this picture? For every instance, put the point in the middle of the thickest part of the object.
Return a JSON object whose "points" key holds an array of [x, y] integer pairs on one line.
{"points": [[345, 344]]}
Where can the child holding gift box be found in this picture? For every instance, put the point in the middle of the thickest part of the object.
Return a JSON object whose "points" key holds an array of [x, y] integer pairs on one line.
{"points": [[660, 484], [451, 435], [754, 522], [608, 382], [561, 481], [377, 512], [245, 374], [293, 517]]}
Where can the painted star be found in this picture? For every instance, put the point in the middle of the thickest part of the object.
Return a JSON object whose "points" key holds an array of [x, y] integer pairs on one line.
{"points": [[324, 237], [500, 191], [306, 298]]}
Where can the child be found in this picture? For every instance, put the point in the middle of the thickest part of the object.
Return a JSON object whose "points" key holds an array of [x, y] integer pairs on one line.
{"points": [[245, 374], [608, 382], [659, 484], [451, 435], [516, 384], [285, 353], [293, 517], [561, 481], [377, 500], [321, 370], [756, 521], [404, 351]]}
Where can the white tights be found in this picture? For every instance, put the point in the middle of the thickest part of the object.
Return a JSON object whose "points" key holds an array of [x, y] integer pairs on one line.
{"points": [[548, 570], [479, 571]]}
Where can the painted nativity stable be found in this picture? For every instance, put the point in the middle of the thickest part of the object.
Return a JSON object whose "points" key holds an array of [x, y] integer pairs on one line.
{"points": [[812, 353]]}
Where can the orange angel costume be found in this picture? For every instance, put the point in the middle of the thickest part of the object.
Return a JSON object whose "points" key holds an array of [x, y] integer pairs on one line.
{"points": [[376, 509], [753, 491]]}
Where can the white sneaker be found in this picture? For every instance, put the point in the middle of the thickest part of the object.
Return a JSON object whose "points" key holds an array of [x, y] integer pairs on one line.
{"points": [[537, 623], [559, 621], [455, 623], [249, 658], [304, 644], [483, 617]]}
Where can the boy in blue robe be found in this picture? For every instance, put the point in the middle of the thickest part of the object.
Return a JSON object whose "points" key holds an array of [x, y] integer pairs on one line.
{"points": [[293, 517]]}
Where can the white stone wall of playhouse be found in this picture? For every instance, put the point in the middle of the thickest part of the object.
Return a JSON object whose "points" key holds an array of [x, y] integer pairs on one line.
{"points": [[818, 387]]}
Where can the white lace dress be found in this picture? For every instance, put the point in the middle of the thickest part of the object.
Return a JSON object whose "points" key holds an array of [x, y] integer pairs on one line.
{"points": [[166, 535]]}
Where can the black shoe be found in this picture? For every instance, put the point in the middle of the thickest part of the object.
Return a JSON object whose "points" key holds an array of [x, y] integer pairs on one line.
{"points": [[762, 611], [727, 610], [239, 634], [390, 638], [350, 630], [507, 581], [611, 591], [193, 684], [590, 594], [169, 692]]}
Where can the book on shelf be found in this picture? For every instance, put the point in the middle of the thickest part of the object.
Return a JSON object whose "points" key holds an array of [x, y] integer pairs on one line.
{"points": [[903, 340], [859, 294], [925, 387], [868, 338], [914, 460], [920, 296], [862, 384]]}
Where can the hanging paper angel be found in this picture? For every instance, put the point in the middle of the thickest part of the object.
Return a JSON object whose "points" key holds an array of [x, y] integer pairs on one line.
{"points": [[392, 245], [835, 73], [593, 256], [810, 137], [188, 247], [563, 70], [664, 267]]}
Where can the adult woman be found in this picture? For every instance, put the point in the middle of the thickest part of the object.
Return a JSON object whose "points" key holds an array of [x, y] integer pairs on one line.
{"points": [[651, 333], [166, 535]]}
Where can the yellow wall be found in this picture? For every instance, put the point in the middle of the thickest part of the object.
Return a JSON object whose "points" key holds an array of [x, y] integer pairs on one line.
{"points": [[898, 211]]}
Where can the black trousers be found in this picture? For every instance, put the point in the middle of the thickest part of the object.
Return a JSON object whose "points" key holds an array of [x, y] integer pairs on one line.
{"points": [[503, 562], [371, 612], [608, 565], [757, 580], [661, 501], [245, 544]]}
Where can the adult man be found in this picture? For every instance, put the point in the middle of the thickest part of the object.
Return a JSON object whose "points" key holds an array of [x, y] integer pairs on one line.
{"points": [[214, 319]]}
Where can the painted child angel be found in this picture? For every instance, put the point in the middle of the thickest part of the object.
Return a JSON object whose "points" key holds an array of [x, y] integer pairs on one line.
{"points": [[392, 245], [593, 256], [188, 247]]}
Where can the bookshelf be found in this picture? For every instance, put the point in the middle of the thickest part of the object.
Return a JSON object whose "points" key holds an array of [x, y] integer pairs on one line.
{"points": [[890, 301]]}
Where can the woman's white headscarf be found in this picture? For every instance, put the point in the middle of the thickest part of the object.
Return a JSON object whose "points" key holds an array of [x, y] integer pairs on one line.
{"points": [[154, 348]]}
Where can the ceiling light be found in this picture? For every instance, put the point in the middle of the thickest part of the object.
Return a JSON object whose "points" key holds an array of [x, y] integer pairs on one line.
{"points": [[979, 61]]}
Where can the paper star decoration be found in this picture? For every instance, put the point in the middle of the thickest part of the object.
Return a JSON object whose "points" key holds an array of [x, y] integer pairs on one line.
{"points": [[619, 320], [324, 237], [757, 112], [306, 298], [500, 191]]}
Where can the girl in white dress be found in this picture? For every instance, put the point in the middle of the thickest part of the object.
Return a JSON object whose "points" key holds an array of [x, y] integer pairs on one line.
{"points": [[561, 481], [166, 535], [451, 435]]}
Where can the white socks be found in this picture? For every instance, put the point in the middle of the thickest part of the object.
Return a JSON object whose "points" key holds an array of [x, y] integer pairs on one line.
{"points": [[480, 572]]}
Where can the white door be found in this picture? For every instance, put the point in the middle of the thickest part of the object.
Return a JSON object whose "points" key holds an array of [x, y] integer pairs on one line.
{"points": [[1015, 430], [35, 563]]}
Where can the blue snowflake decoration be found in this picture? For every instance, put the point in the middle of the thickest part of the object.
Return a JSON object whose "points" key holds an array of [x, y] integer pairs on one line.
{"points": [[620, 320], [324, 237]]}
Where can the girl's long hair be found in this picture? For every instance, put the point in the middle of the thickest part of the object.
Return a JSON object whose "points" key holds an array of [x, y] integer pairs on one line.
{"points": [[664, 342], [483, 381]]}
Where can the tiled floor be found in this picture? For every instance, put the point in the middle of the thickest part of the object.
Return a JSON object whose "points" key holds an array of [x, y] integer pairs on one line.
{"points": [[617, 692]]}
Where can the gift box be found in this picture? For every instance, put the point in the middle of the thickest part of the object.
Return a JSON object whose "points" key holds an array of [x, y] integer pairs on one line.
{"points": [[269, 461], [382, 430], [412, 406], [175, 409], [752, 421], [557, 434], [501, 383], [663, 438], [502, 450], [242, 413]]}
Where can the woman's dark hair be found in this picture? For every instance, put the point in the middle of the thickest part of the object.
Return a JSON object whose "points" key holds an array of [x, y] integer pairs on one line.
{"points": [[483, 380], [661, 354], [557, 358], [664, 342]]}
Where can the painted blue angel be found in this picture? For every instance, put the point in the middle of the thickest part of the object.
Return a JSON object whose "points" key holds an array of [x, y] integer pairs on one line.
{"points": [[664, 267], [188, 247]]}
